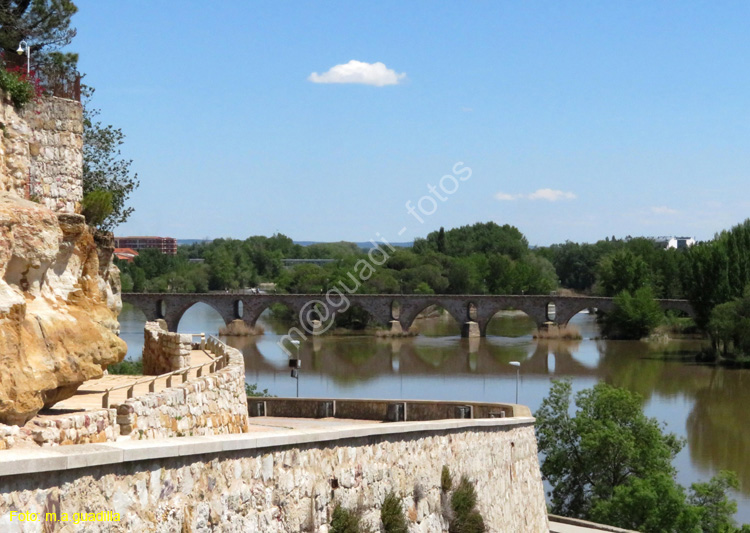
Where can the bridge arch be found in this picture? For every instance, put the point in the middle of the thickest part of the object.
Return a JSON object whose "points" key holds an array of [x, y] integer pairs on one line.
{"points": [[532, 309], [411, 309], [509, 326], [174, 317]]}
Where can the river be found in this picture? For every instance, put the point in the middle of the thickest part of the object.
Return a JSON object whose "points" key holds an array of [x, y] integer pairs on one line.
{"points": [[702, 404]]}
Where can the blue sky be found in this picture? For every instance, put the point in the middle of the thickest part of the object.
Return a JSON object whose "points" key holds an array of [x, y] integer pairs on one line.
{"points": [[578, 120]]}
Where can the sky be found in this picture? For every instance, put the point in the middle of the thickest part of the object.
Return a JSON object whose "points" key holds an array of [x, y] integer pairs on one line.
{"points": [[330, 121]]}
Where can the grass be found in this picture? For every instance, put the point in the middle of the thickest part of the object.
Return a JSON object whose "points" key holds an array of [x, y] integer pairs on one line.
{"points": [[127, 368]]}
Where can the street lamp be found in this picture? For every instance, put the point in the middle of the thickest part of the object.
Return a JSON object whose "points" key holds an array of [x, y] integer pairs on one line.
{"points": [[518, 375], [23, 46], [295, 365]]}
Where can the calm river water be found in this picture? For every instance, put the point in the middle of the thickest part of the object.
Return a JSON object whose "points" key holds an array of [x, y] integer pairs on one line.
{"points": [[703, 404]]}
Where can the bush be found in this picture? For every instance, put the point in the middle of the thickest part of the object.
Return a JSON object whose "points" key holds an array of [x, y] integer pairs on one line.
{"points": [[127, 368], [446, 481], [392, 514], [18, 86], [251, 389], [96, 206], [344, 521], [466, 518], [634, 316]]}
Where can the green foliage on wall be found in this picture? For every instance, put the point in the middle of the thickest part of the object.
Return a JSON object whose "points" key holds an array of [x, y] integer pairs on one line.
{"points": [[392, 515]]}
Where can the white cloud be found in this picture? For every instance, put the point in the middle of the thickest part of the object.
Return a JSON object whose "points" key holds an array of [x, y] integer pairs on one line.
{"points": [[663, 210], [551, 195], [376, 74], [505, 197]]}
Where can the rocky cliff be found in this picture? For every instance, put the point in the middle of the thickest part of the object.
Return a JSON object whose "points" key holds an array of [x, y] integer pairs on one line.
{"points": [[59, 300]]}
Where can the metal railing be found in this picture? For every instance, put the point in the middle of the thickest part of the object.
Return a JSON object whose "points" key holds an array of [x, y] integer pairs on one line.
{"points": [[216, 363]]}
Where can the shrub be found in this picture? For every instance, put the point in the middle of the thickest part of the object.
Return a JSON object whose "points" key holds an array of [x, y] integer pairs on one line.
{"points": [[97, 206], [127, 368], [446, 481], [634, 316], [392, 514], [17, 84], [344, 521], [251, 389], [466, 518]]}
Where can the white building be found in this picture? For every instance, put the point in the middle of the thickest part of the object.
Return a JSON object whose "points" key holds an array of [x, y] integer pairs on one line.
{"points": [[674, 242]]}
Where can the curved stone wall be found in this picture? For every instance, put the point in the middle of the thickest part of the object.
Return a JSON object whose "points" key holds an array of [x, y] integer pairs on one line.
{"points": [[286, 481]]}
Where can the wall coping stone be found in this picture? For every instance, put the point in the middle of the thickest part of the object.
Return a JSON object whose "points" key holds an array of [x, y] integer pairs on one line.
{"points": [[34, 460]]}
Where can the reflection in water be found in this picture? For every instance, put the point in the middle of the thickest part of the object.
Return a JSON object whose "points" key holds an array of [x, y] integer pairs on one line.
{"points": [[700, 403], [718, 433]]}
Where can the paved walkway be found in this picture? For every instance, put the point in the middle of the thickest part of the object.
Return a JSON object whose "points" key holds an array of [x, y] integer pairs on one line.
{"points": [[90, 393]]}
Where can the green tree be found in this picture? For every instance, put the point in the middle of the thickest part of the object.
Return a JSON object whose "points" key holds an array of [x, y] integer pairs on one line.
{"points": [[729, 327], [103, 165], [610, 463], [622, 271], [714, 507], [44, 24], [440, 243], [635, 315]]}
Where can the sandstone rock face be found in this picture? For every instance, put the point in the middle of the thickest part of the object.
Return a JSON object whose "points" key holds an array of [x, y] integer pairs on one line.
{"points": [[59, 300]]}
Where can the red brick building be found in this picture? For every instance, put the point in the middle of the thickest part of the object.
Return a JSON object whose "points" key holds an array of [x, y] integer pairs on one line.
{"points": [[166, 245]]}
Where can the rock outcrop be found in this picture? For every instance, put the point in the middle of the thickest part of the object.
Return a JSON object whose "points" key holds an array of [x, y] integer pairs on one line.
{"points": [[59, 300]]}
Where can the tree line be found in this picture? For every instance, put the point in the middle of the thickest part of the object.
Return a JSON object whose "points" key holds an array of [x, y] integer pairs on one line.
{"points": [[484, 258]]}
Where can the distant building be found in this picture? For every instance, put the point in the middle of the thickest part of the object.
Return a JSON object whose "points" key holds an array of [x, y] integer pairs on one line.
{"points": [[126, 254], [674, 242], [166, 245]]}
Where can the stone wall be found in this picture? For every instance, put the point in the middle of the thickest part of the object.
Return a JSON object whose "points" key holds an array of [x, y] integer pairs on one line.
{"points": [[79, 428], [60, 430], [210, 405], [41, 153], [163, 351], [291, 483]]}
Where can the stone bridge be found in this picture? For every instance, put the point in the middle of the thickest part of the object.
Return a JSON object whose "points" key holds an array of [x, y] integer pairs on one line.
{"points": [[472, 312]]}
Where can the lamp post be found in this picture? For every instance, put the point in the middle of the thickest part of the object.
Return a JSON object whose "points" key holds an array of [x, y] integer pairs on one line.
{"points": [[295, 365], [23, 46], [518, 375]]}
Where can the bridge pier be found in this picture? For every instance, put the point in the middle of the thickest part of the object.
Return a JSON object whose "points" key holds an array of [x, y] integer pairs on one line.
{"points": [[471, 329]]}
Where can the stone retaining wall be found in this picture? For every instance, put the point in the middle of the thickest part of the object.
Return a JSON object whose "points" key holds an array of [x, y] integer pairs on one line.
{"points": [[60, 430], [289, 483], [163, 351], [41, 152], [210, 405]]}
